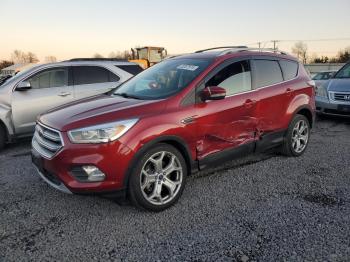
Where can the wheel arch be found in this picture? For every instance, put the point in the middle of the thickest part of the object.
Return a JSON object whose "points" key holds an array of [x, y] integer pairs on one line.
{"points": [[175, 141], [307, 112]]}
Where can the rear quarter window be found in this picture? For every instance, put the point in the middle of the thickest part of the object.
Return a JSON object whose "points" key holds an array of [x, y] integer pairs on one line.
{"points": [[289, 69], [131, 69], [267, 72], [84, 75]]}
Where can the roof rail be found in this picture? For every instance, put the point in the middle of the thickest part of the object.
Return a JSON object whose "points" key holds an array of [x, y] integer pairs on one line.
{"points": [[257, 49], [221, 47], [96, 59]]}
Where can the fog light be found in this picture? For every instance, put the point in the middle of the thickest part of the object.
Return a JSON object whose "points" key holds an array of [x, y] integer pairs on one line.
{"points": [[94, 174]]}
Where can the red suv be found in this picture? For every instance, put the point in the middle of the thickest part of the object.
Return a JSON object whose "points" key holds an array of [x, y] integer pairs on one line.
{"points": [[180, 116]]}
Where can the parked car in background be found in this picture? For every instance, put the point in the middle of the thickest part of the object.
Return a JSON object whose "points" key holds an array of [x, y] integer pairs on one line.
{"points": [[322, 77], [32, 92], [181, 115], [333, 97], [4, 78]]}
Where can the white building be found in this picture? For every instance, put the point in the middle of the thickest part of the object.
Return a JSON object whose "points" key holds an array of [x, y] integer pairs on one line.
{"points": [[14, 69]]}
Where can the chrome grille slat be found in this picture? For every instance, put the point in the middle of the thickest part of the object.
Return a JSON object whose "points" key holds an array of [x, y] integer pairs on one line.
{"points": [[48, 134], [46, 141], [340, 97]]}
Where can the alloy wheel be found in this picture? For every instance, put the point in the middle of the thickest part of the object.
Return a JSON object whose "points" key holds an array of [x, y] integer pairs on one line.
{"points": [[300, 136], [161, 178]]}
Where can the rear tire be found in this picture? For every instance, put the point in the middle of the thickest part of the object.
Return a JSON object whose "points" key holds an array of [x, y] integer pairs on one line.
{"points": [[297, 137], [2, 137], [158, 179]]}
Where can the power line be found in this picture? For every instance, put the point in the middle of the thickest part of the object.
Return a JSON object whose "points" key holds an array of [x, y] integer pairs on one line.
{"points": [[300, 40]]}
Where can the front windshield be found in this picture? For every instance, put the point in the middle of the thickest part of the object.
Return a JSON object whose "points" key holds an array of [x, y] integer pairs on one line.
{"points": [[155, 55], [163, 80], [322, 76], [344, 72], [143, 54]]}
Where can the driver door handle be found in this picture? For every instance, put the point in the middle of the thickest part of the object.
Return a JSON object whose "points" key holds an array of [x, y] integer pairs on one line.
{"points": [[63, 94]]}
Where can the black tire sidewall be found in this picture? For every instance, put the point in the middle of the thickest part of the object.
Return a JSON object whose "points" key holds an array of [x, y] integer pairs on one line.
{"points": [[288, 139], [2, 137], [134, 189]]}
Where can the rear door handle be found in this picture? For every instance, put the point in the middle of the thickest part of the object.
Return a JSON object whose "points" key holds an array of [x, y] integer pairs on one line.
{"points": [[249, 103], [63, 94]]}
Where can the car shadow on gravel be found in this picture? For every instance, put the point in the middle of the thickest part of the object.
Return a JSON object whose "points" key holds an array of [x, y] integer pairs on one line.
{"points": [[18, 148]]}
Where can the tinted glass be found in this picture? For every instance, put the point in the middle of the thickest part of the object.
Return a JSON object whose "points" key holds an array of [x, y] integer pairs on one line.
{"points": [[164, 79], [113, 77], [267, 73], [84, 75], [235, 78], [323, 76], [344, 72], [50, 78], [131, 69], [289, 69]]}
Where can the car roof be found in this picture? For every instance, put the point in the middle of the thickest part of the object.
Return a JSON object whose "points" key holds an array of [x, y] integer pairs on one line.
{"points": [[222, 55], [89, 62]]}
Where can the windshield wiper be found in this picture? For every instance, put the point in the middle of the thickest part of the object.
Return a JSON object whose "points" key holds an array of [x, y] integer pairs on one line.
{"points": [[125, 95]]}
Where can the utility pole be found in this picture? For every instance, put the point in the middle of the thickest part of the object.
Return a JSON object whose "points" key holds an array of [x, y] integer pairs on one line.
{"points": [[259, 43], [274, 44]]}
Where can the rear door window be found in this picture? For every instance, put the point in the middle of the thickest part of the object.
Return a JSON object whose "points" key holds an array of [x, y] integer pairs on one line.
{"points": [[267, 72], [84, 75], [289, 69]]}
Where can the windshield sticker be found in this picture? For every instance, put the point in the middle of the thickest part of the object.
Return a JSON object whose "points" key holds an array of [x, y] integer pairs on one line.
{"points": [[188, 67]]}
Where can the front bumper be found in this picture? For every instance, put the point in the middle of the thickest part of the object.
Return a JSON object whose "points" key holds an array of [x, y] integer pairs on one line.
{"points": [[111, 158], [327, 107]]}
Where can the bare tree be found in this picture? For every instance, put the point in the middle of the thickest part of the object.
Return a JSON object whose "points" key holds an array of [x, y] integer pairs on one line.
{"points": [[31, 58], [50, 59], [5, 63], [19, 56], [97, 55], [120, 55], [300, 50], [112, 55]]}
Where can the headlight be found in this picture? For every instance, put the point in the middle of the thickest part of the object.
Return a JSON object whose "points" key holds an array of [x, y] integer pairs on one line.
{"points": [[101, 133], [321, 91]]}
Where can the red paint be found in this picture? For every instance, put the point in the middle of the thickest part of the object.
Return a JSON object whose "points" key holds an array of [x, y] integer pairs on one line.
{"points": [[218, 124]]}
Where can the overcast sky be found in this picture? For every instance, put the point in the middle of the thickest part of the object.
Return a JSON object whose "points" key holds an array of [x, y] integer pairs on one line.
{"points": [[78, 28]]}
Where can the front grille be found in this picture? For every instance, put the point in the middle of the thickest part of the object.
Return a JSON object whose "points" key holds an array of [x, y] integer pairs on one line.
{"points": [[46, 141], [342, 97]]}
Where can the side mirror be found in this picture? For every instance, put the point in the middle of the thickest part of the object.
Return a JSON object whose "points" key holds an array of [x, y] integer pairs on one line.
{"points": [[23, 86], [213, 93]]}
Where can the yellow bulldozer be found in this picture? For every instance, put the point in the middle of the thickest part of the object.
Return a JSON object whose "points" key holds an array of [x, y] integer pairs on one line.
{"points": [[148, 55]]}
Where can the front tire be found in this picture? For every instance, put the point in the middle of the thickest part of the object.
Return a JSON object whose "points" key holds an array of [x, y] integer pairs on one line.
{"points": [[297, 137], [159, 178]]}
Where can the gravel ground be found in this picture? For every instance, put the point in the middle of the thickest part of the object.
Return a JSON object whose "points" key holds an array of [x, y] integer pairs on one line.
{"points": [[259, 208]]}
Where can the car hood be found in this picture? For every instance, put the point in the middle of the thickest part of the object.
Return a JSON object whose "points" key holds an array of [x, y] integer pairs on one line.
{"points": [[98, 110], [339, 85]]}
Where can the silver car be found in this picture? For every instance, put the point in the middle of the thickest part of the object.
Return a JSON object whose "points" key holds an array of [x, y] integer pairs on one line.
{"points": [[322, 77], [333, 97], [34, 91]]}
